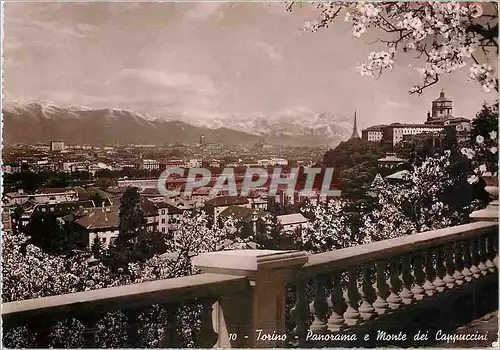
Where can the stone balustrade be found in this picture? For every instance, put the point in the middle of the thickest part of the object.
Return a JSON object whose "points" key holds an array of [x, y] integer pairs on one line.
{"points": [[41, 314], [356, 285], [245, 295]]}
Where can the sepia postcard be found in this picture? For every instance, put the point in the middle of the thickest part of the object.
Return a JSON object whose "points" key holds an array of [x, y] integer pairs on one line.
{"points": [[203, 174]]}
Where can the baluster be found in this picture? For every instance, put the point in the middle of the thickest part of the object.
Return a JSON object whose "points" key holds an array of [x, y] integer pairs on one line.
{"points": [[351, 296], [133, 337], [459, 264], [171, 337], [494, 246], [419, 278], [450, 268], [394, 283], [440, 271], [407, 279], [206, 337], [42, 331], [430, 274], [368, 296], [490, 254], [382, 289], [90, 321], [466, 271], [476, 272], [482, 255], [337, 304], [300, 313], [319, 307]]}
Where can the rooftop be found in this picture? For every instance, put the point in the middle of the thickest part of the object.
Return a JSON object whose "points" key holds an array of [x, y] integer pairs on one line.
{"points": [[291, 219], [400, 175], [237, 212], [100, 218], [227, 201], [55, 190], [375, 127], [442, 98]]}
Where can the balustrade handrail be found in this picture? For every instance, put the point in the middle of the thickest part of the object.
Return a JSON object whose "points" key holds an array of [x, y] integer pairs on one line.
{"points": [[386, 249], [132, 296]]}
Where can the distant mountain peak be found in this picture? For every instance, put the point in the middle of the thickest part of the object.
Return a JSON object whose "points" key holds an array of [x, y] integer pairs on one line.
{"points": [[79, 124]]}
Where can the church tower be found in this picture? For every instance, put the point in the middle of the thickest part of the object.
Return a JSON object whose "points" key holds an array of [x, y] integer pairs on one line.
{"points": [[441, 107], [355, 134]]}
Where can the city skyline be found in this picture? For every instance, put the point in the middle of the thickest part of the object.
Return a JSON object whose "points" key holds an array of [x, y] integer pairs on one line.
{"points": [[195, 61]]}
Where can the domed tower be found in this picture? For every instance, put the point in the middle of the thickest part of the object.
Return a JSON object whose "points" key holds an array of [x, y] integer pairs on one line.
{"points": [[441, 107]]}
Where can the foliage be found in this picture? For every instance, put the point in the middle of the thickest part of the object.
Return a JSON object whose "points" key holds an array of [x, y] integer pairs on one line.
{"points": [[329, 228], [271, 235], [131, 216], [417, 204], [482, 148], [415, 151], [355, 165], [448, 36], [97, 248], [31, 181], [53, 235], [31, 273], [145, 246], [195, 235]]}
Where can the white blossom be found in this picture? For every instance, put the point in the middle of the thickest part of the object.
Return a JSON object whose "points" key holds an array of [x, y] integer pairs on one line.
{"points": [[440, 32], [473, 179]]}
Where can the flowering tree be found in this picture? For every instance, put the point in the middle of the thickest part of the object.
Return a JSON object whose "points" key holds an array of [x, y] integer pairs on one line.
{"points": [[330, 227], [195, 235], [448, 36], [28, 273], [417, 204], [482, 148]]}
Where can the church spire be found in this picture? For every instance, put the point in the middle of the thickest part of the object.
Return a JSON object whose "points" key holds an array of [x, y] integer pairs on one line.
{"points": [[355, 134]]}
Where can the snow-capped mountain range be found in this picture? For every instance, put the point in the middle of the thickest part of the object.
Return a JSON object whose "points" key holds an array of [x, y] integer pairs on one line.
{"points": [[42, 121], [309, 124]]}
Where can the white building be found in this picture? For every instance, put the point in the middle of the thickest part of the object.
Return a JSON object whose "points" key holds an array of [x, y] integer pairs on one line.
{"points": [[194, 163], [373, 133], [291, 222], [57, 145], [101, 223], [396, 131], [150, 164]]}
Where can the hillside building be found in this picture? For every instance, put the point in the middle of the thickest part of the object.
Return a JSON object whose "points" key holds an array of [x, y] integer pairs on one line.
{"points": [[440, 117]]}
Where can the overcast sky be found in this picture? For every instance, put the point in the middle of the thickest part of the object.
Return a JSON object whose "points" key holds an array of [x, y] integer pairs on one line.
{"points": [[206, 59]]}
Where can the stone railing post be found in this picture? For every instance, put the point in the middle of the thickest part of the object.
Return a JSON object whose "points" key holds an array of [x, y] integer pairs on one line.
{"points": [[254, 318], [490, 213]]}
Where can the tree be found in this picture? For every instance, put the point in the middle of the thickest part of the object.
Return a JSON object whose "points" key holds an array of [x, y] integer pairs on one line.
{"points": [[131, 216], [329, 228], [135, 242], [482, 148], [485, 121], [270, 234], [448, 36], [97, 248], [195, 235], [30, 273], [420, 203], [53, 236]]}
